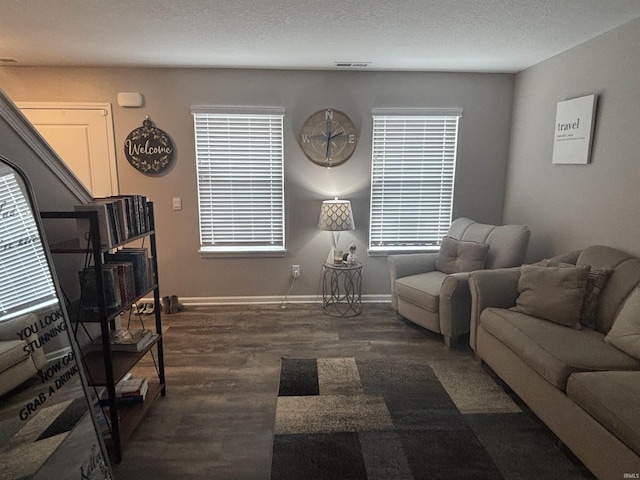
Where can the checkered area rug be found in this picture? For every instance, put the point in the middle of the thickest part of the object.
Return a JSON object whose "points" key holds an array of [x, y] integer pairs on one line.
{"points": [[28, 444], [345, 418]]}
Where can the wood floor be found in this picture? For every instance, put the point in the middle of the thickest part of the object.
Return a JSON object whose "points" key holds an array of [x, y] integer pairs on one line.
{"points": [[222, 371]]}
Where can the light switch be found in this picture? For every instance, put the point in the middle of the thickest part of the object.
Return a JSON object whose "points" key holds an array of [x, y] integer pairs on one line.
{"points": [[177, 203]]}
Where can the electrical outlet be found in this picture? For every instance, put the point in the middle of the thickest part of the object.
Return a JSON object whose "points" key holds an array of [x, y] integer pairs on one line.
{"points": [[295, 271]]}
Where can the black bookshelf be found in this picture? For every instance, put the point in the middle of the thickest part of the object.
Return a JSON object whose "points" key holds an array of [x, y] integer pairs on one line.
{"points": [[106, 367]]}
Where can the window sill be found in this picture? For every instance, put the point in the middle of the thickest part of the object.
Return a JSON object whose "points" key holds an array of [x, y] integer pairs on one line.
{"points": [[401, 251], [240, 253]]}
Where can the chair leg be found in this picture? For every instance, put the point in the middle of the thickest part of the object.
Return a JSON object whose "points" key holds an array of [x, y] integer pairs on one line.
{"points": [[451, 342]]}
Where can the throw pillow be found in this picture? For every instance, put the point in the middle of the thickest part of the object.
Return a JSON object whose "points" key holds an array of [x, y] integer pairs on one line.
{"points": [[460, 256], [596, 282], [625, 332], [552, 293]]}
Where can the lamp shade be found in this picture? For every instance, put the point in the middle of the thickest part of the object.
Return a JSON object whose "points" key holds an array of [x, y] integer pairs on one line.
{"points": [[336, 216]]}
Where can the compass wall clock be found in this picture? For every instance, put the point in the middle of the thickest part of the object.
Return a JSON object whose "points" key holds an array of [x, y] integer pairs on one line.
{"points": [[328, 138]]}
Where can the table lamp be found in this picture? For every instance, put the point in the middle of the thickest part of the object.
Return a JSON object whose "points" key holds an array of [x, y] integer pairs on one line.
{"points": [[336, 216]]}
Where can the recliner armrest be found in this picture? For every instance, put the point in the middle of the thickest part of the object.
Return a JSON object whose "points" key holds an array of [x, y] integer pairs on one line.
{"points": [[408, 264], [455, 303], [491, 288], [411, 264]]}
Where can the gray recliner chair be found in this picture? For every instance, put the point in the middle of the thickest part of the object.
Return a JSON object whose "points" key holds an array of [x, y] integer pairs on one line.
{"points": [[432, 289]]}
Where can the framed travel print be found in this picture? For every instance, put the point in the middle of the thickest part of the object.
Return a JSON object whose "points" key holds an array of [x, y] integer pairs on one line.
{"points": [[573, 130]]}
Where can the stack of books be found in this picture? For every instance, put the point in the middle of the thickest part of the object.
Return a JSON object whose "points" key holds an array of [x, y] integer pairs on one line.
{"points": [[126, 275], [127, 341], [128, 390], [119, 219]]}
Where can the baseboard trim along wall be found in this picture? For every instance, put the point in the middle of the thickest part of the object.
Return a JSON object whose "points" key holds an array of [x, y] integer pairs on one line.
{"points": [[266, 300]]}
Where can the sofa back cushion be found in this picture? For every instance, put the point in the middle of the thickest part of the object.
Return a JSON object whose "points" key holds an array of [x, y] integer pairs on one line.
{"points": [[10, 329], [623, 280], [625, 332], [507, 243]]}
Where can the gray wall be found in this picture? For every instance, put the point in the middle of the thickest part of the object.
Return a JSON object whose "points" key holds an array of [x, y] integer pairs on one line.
{"points": [[169, 93], [22, 146], [569, 207]]}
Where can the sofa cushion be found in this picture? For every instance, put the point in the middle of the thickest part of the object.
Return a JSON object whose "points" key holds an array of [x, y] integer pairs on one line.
{"points": [[460, 256], [552, 293], [625, 332], [623, 280], [11, 353], [596, 282], [612, 399], [552, 350], [422, 289]]}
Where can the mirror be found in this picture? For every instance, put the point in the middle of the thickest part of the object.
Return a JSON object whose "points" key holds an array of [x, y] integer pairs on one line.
{"points": [[47, 426]]}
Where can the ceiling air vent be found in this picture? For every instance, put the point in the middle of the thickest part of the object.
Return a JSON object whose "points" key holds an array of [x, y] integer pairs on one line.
{"points": [[7, 60], [352, 64]]}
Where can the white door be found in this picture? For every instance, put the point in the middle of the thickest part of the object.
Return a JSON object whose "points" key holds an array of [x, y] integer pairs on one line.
{"points": [[82, 136]]}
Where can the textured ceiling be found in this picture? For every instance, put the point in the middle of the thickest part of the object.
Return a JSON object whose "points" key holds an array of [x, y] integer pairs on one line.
{"points": [[444, 35]]}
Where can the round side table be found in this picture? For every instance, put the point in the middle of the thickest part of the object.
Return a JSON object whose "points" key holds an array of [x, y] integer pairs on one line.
{"points": [[342, 289]]}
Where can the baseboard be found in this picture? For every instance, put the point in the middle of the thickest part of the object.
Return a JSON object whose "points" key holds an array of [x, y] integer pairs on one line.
{"points": [[266, 300]]}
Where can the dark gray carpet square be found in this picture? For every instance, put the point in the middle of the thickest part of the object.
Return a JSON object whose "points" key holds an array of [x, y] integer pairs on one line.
{"points": [[67, 419], [447, 454], [299, 377], [413, 394], [517, 442], [318, 457]]}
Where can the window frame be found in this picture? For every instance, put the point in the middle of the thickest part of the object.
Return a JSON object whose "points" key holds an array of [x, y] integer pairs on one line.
{"points": [[252, 238], [388, 160]]}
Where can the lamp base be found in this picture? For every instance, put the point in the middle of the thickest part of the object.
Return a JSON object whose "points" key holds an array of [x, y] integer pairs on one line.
{"points": [[335, 256]]}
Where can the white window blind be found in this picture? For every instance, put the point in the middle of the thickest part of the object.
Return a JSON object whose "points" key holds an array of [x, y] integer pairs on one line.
{"points": [[26, 284], [412, 177], [240, 167]]}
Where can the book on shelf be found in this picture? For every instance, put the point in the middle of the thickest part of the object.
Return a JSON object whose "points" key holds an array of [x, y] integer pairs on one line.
{"points": [[126, 281], [107, 238], [119, 283], [138, 257], [128, 390], [126, 341], [102, 414], [134, 212], [116, 222], [120, 218], [132, 387], [89, 288]]}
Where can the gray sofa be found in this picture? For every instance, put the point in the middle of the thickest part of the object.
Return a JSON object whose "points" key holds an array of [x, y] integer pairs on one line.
{"points": [[582, 380], [438, 298], [19, 359]]}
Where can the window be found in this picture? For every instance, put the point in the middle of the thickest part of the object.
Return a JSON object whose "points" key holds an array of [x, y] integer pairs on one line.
{"points": [[412, 176], [240, 166], [26, 284]]}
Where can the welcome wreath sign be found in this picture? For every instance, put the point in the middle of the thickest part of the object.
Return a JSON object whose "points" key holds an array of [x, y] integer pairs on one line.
{"points": [[574, 130], [149, 149]]}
